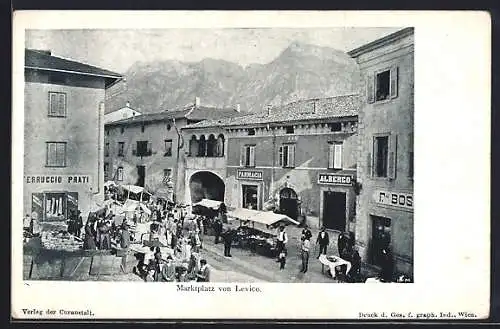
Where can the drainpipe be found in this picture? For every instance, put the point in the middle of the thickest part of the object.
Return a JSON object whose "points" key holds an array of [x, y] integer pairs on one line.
{"points": [[100, 141], [180, 145], [271, 189]]}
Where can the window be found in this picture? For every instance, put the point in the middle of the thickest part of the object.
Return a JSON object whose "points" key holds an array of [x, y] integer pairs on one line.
{"points": [[122, 130], [381, 156], [287, 155], [56, 154], [119, 174], [220, 146], [106, 150], [335, 156], [143, 149], [247, 158], [384, 160], [251, 132], [121, 149], [289, 129], [168, 148], [336, 126], [382, 86], [57, 104], [143, 127], [107, 132], [410, 155], [167, 176]]}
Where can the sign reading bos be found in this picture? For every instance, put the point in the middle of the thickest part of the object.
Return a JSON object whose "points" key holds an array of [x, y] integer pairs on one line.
{"points": [[395, 199]]}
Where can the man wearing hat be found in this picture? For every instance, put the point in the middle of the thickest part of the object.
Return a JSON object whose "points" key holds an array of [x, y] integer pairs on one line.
{"points": [[323, 240], [124, 236], [204, 273]]}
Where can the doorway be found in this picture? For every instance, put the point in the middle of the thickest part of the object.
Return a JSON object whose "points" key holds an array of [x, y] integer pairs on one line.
{"points": [[250, 199], [334, 210], [381, 237], [289, 204], [141, 173]]}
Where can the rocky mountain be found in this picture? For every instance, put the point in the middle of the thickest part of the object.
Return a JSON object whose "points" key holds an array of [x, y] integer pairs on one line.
{"points": [[301, 71]]}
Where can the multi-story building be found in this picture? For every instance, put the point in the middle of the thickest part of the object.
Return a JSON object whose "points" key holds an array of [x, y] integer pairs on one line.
{"points": [[385, 166], [121, 113], [149, 150], [300, 158], [63, 134]]}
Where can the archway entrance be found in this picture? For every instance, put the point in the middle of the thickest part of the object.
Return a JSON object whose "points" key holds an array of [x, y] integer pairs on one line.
{"points": [[206, 185], [289, 204]]}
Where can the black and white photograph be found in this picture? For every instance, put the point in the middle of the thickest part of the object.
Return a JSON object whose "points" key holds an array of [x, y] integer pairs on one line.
{"points": [[227, 158], [168, 156]]}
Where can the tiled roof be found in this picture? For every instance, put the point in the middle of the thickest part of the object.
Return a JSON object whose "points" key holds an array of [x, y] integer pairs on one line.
{"points": [[40, 60], [191, 113], [309, 109]]}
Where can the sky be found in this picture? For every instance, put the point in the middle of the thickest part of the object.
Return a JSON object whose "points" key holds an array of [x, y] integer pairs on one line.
{"points": [[117, 50]]}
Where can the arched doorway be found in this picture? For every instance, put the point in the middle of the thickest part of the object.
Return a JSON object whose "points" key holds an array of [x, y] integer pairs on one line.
{"points": [[206, 185], [289, 203]]}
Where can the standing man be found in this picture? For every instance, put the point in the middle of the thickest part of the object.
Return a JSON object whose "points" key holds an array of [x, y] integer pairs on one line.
{"points": [[323, 240], [307, 232], [342, 242], [124, 236], [168, 271], [281, 240], [217, 229], [228, 240], [306, 246]]}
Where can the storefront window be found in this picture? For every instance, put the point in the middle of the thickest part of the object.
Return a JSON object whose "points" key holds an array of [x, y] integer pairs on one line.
{"points": [[55, 206], [250, 200]]}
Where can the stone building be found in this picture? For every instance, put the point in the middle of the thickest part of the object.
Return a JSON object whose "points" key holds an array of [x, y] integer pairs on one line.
{"points": [[149, 150], [121, 113], [63, 134], [298, 158], [385, 166]]}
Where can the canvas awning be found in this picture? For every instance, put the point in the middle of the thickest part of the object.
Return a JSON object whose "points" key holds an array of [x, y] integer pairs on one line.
{"points": [[263, 217], [207, 203], [135, 189], [109, 183], [131, 205]]}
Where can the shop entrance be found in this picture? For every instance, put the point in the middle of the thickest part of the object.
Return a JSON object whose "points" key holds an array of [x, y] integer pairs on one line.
{"points": [[141, 173], [54, 206], [334, 210], [289, 204], [381, 237], [250, 199], [206, 185]]}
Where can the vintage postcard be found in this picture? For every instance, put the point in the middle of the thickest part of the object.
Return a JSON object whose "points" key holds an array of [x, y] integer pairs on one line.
{"points": [[280, 165]]}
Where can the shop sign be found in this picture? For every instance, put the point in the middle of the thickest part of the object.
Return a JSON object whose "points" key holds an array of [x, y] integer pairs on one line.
{"points": [[333, 179], [57, 179], [249, 175], [395, 199]]}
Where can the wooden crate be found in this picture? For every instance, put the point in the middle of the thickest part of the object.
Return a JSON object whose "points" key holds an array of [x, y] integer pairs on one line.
{"points": [[105, 265], [76, 267], [129, 261], [47, 270]]}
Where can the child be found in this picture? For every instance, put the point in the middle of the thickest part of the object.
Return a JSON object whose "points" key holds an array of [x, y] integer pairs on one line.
{"points": [[282, 258], [150, 276]]}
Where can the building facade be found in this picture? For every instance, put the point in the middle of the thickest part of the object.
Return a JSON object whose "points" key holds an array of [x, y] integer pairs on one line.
{"points": [[385, 167], [299, 159], [120, 114], [149, 150], [63, 136]]}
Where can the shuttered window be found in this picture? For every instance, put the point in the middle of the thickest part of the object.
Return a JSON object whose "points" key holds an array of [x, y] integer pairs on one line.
{"points": [[57, 104], [335, 156], [56, 154], [385, 156], [119, 174], [247, 156], [287, 156], [383, 85]]}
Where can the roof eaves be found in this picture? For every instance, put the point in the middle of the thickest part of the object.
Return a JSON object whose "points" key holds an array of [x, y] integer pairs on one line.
{"points": [[381, 42]]}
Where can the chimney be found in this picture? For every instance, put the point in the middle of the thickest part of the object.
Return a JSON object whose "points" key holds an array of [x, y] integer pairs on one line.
{"points": [[269, 106], [127, 104], [237, 108], [43, 51], [197, 102]]}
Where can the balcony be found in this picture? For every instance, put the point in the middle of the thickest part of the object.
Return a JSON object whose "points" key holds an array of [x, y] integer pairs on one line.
{"points": [[205, 162]]}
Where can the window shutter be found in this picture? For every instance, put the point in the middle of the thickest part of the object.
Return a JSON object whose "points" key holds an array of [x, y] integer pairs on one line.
{"points": [[242, 156], [410, 155], [394, 82], [370, 88], [150, 148], [281, 156], [252, 156], [37, 202], [291, 155], [61, 104], [369, 162], [337, 158], [53, 103], [330, 155], [393, 142]]}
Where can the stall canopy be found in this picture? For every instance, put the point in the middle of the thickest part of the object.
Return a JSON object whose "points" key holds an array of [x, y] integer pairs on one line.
{"points": [[207, 203], [138, 191], [109, 183], [131, 205], [262, 217]]}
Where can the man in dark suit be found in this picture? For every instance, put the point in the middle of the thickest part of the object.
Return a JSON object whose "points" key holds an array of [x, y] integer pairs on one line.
{"points": [[217, 229], [323, 240], [306, 232], [228, 237], [342, 242]]}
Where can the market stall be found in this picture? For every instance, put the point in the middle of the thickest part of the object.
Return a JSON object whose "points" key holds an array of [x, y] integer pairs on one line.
{"points": [[257, 229]]}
